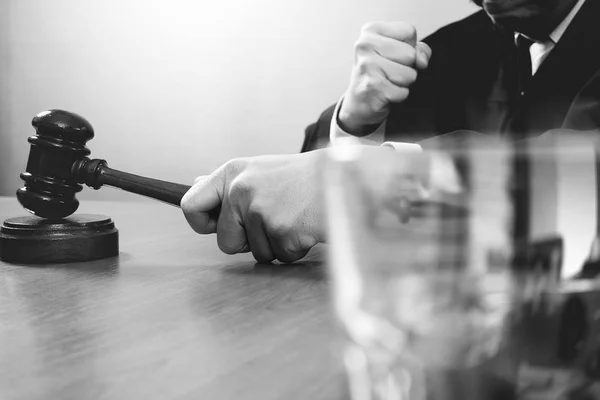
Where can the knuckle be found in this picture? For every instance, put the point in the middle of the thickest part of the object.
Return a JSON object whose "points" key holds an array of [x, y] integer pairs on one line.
{"points": [[235, 166], [277, 229], [424, 47], [402, 94], [410, 76], [407, 29], [376, 83], [372, 84], [366, 65], [362, 45], [186, 204], [240, 187], [411, 56], [256, 212], [230, 166], [370, 27]]}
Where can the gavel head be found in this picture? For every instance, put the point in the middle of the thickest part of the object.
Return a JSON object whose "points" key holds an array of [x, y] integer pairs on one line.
{"points": [[59, 142]]}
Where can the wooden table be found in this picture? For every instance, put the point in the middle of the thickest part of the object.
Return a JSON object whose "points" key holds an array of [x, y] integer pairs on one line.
{"points": [[171, 317]]}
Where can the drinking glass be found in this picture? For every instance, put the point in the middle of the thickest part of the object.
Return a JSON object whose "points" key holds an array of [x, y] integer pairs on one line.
{"points": [[420, 248]]}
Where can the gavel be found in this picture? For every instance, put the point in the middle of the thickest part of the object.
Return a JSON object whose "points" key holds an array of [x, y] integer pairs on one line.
{"points": [[58, 165]]}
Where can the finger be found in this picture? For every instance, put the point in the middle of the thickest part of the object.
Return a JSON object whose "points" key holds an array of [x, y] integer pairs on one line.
{"points": [[399, 75], [202, 223], [214, 213], [289, 249], [201, 178], [231, 235], [402, 31], [391, 49], [258, 240], [199, 202], [394, 93], [423, 55]]}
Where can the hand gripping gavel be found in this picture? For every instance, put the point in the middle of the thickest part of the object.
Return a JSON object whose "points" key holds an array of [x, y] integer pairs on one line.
{"points": [[58, 165]]}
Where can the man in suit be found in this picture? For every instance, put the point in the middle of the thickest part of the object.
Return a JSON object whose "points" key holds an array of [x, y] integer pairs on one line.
{"points": [[476, 77], [517, 68]]}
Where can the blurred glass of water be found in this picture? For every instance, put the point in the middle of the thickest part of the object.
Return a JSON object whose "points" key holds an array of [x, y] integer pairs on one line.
{"points": [[419, 246]]}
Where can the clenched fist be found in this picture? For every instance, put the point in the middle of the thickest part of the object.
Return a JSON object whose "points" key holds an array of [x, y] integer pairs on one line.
{"points": [[268, 205], [387, 62]]}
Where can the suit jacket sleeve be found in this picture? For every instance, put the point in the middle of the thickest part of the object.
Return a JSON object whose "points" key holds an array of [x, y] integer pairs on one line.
{"points": [[409, 121], [436, 101], [413, 120], [584, 114], [463, 62], [316, 135]]}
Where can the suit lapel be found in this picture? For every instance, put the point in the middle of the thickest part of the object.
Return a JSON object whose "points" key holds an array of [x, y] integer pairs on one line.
{"points": [[572, 62], [577, 53]]}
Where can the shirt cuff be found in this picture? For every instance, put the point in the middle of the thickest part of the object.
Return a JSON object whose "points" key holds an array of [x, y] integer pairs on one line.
{"points": [[336, 133], [404, 147]]}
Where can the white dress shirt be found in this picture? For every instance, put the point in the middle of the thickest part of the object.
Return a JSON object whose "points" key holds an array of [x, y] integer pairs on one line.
{"points": [[538, 51]]}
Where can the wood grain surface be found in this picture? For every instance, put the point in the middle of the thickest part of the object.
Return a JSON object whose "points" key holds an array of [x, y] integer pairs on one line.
{"points": [[170, 318]]}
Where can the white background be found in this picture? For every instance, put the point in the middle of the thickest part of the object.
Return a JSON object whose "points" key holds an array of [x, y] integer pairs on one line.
{"points": [[174, 88]]}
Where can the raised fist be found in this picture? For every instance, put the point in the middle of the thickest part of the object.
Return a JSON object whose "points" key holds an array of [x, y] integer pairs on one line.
{"points": [[388, 58]]}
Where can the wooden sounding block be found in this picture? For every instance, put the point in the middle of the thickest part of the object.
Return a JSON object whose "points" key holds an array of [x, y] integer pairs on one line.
{"points": [[57, 167], [35, 240]]}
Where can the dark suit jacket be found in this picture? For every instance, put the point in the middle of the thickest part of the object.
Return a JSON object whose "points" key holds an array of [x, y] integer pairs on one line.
{"points": [[470, 58]]}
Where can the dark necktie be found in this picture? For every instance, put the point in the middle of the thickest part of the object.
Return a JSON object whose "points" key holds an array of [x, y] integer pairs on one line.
{"points": [[524, 62]]}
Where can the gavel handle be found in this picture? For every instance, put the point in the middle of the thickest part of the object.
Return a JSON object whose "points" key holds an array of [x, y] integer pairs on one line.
{"points": [[96, 173], [167, 192]]}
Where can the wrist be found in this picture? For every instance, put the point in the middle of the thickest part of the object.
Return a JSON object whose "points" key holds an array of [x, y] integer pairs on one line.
{"points": [[354, 126]]}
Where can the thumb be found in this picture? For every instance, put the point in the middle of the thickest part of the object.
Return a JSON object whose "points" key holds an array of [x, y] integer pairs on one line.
{"points": [[423, 55], [202, 202]]}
